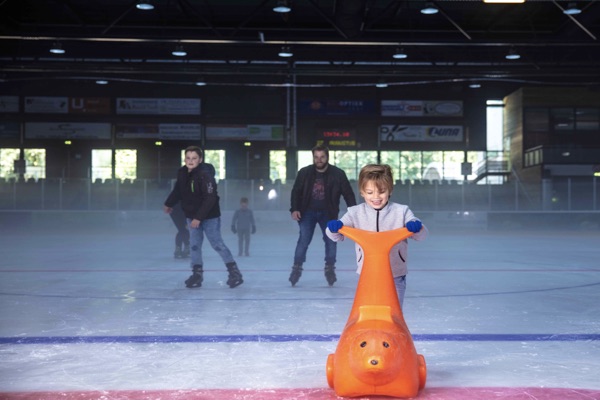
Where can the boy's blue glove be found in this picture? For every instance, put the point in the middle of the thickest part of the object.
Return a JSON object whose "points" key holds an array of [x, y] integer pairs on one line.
{"points": [[414, 226], [334, 225]]}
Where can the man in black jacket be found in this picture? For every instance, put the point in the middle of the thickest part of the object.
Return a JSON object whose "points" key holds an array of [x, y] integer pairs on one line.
{"points": [[196, 189], [316, 200]]}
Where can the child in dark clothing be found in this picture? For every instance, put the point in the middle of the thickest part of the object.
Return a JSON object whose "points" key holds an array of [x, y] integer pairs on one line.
{"points": [[243, 224]]}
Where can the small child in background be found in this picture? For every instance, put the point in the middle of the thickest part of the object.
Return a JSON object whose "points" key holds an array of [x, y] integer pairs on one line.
{"points": [[243, 224], [379, 214]]}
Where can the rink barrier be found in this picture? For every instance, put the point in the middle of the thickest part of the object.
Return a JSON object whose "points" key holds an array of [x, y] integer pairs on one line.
{"points": [[278, 221]]}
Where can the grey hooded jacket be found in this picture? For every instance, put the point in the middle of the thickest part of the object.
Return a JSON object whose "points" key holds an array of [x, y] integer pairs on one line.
{"points": [[391, 216]]}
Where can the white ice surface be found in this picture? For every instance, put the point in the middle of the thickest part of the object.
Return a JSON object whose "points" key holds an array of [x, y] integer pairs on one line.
{"points": [[126, 284]]}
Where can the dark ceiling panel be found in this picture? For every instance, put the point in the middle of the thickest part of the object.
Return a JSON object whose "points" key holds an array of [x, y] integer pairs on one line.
{"points": [[334, 42]]}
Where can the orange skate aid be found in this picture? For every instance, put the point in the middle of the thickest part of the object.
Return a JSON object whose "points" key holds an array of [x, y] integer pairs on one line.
{"points": [[376, 354]]}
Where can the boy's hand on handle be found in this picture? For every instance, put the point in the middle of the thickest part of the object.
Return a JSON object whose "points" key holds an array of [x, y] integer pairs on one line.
{"points": [[414, 226], [334, 225]]}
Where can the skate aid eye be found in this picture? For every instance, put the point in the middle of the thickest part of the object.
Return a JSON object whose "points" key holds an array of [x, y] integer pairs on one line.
{"points": [[386, 344], [363, 344]]}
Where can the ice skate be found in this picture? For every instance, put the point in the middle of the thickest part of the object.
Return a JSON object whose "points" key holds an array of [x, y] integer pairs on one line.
{"points": [[296, 274], [195, 280], [330, 274], [235, 276], [185, 252], [178, 252]]}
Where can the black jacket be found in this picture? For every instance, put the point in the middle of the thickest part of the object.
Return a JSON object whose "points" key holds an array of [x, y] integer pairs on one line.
{"points": [[336, 185], [197, 192]]}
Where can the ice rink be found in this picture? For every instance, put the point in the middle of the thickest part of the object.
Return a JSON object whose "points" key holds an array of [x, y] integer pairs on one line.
{"points": [[102, 313]]}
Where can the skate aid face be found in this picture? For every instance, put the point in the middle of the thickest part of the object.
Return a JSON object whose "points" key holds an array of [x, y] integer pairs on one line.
{"points": [[375, 354]]}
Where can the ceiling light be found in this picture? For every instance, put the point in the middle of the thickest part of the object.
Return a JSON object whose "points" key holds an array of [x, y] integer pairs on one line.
{"points": [[283, 6], [57, 48], [101, 82], [474, 85], [572, 9], [399, 54], [200, 82], [512, 55], [144, 5], [179, 51], [429, 9], [381, 84], [286, 52], [504, 1]]}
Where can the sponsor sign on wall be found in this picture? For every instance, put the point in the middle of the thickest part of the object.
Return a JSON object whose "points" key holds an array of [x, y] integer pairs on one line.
{"points": [[245, 132], [420, 133], [157, 106], [67, 105], [9, 130], [67, 130], [9, 104], [347, 107], [421, 108], [158, 131]]}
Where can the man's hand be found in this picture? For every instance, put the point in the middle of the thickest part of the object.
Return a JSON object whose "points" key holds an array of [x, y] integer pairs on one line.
{"points": [[167, 210], [195, 223], [296, 216]]}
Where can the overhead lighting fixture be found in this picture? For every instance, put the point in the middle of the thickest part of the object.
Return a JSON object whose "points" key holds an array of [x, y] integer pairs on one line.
{"points": [[145, 5], [399, 54], [504, 1], [179, 51], [286, 52], [200, 82], [101, 82], [474, 85], [429, 9], [57, 48], [512, 55], [381, 84], [283, 6], [572, 9]]}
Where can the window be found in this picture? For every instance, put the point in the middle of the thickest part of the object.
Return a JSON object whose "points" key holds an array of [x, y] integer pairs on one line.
{"points": [[125, 164], [277, 167], [101, 164], [35, 163]]}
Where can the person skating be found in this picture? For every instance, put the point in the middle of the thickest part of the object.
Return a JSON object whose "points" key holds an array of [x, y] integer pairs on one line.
{"points": [[196, 189]]}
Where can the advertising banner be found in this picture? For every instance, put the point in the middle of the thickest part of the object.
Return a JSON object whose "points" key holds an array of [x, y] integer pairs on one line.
{"points": [[420, 133], [89, 105], [348, 107], [158, 131], [421, 108], [9, 130], [245, 132], [9, 104], [157, 106], [67, 130], [47, 105], [67, 105]]}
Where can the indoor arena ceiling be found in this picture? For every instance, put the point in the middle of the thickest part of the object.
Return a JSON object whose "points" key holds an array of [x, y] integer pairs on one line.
{"points": [[334, 42]]}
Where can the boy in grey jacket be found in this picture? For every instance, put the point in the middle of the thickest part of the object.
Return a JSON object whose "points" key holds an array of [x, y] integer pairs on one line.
{"points": [[379, 214]]}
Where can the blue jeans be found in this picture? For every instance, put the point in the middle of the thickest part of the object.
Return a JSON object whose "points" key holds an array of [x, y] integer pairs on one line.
{"points": [[307, 225], [212, 229], [400, 282]]}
